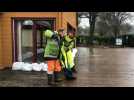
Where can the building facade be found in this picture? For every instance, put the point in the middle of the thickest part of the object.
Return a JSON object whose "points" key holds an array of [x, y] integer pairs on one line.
{"points": [[21, 42]]}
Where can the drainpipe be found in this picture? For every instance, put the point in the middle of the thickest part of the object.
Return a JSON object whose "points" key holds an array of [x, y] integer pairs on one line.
{"points": [[19, 41], [60, 19]]}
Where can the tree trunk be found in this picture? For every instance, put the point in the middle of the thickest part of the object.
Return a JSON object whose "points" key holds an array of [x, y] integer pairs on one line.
{"points": [[92, 20]]}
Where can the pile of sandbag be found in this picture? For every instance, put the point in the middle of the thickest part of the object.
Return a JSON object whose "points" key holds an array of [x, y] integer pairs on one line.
{"points": [[35, 66], [29, 66]]}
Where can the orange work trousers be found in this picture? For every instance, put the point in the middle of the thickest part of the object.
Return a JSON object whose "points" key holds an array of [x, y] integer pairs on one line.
{"points": [[53, 66]]}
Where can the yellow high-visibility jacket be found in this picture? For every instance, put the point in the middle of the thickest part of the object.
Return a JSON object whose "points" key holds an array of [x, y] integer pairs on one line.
{"points": [[66, 56]]}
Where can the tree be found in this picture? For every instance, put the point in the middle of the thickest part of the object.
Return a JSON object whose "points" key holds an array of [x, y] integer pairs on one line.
{"points": [[112, 23], [102, 24], [92, 19], [115, 20], [102, 28], [125, 28], [83, 31]]}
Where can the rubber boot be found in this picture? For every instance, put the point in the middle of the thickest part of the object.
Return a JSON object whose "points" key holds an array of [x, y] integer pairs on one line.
{"points": [[58, 76], [74, 70], [50, 79], [69, 75]]}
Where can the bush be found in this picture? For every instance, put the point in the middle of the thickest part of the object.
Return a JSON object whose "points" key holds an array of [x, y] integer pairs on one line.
{"points": [[97, 40]]}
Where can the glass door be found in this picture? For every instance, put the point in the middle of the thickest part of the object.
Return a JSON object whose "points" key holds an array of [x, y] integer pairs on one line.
{"points": [[29, 42], [24, 41]]}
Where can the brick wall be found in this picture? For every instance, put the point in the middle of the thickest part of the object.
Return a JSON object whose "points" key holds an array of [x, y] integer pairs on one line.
{"points": [[0, 45], [69, 17]]}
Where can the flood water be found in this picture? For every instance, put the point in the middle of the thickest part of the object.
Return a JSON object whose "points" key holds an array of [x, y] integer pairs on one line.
{"points": [[107, 67]]}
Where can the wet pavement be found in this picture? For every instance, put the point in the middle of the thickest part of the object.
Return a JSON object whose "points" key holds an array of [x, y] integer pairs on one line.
{"points": [[107, 67]]}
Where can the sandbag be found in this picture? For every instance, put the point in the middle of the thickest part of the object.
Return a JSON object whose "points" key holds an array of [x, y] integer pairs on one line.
{"points": [[36, 67], [17, 65], [74, 51], [44, 66], [27, 67]]}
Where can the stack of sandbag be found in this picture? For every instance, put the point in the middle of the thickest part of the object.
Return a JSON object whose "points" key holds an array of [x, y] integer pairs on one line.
{"points": [[29, 66], [36, 67], [17, 65], [44, 66]]}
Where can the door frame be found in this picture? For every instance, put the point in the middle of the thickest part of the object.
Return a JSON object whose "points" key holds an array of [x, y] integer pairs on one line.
{"points": [[14, 35]]}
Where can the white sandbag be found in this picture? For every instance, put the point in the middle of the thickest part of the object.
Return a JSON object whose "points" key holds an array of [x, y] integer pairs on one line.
{"points": [[44, 66], [17, 65], [36, 67], [27, 67], [74, 51]]}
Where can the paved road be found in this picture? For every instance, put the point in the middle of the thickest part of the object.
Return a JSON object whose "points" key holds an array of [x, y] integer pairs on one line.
{"points": [[107, 67]]}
